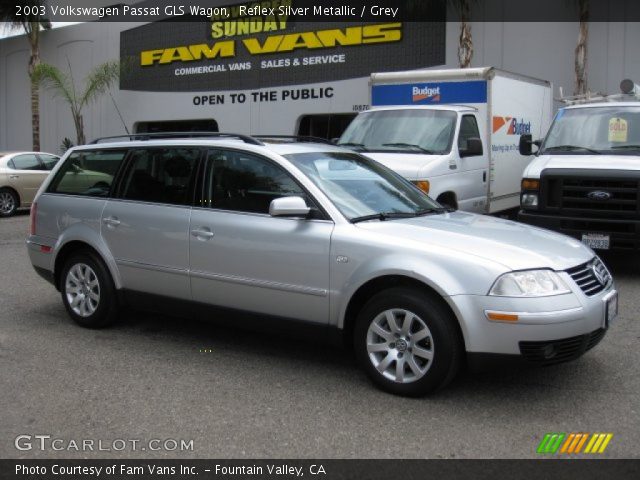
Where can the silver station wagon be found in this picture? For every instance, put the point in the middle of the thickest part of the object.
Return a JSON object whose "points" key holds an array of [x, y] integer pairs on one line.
{"points": [[312, 234]]}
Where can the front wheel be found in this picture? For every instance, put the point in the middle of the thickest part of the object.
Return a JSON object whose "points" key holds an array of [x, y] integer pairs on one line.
{"points": [[407, 342], [88, 292]]}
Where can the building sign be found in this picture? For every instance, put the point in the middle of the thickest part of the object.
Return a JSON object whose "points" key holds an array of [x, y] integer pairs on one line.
{"points": [[247, 50]]}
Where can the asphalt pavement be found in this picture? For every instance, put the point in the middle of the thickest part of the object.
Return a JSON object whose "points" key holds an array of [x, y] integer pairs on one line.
{"points": [[229, 393]]}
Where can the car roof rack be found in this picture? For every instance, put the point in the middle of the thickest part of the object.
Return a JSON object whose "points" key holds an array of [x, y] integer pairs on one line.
{"points": [[295, 138], [149, 136]]}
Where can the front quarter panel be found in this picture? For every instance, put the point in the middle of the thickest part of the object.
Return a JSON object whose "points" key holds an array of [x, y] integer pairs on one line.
{"points": [[357, 256]]}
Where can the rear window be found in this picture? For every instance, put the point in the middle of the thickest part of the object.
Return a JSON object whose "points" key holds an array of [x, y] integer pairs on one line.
{"points": [[89, 173]]}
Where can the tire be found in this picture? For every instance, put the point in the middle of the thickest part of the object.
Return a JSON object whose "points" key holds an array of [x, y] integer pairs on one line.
{"points": [[87, 291], [420, 354], [9, 202]]}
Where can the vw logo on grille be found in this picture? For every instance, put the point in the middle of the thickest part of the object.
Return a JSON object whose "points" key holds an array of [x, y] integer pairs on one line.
{"points": [[600, 276], [599, 195]]}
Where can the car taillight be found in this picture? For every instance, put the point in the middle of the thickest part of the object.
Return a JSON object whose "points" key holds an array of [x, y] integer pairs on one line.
{"points": [[34, 211]]}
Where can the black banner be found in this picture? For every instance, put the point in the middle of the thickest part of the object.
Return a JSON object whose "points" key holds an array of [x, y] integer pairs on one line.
{"points": [[320, 469]]}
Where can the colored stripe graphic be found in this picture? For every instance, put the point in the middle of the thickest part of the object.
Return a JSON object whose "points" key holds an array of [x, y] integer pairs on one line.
{"points": [[551, 442], [573, 443], [598, 442]]}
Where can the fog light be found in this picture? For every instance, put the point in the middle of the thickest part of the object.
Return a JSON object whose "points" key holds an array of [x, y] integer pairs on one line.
{"points": [[529, 200], [548, 351]]}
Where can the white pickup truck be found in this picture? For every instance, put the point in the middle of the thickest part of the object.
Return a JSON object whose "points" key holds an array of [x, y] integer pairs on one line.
{"points": [[454, 133], [585, 178]]}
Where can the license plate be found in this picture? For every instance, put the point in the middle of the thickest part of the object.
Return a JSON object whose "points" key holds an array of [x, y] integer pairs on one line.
{"points": [[611, 309], [596, 241]]}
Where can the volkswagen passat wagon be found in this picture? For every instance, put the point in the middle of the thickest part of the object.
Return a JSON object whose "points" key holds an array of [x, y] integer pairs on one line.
{"points": [[317, 234]]}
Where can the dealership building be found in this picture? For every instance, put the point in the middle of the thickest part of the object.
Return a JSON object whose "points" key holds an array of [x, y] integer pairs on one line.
{"points": [[279, 77]]}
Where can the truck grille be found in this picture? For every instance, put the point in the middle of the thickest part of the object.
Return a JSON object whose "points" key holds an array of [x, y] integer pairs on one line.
{"points": [[592, 197], [557, 351], [592, 277]]}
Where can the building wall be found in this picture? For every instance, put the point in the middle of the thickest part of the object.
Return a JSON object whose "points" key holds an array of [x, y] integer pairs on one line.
{"points": [[542, 50]]}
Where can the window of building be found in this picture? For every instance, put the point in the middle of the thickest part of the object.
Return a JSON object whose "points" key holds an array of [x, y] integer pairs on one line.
{"points": [[161, 175], [202, 125], [324, 126], [88, 172]]}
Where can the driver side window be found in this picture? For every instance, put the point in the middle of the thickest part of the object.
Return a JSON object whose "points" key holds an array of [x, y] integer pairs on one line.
{"points": [[243, 182]]}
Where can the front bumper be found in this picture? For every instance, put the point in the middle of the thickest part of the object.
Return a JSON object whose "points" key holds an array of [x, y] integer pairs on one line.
{"points": [[624, 234], [548, 329]]}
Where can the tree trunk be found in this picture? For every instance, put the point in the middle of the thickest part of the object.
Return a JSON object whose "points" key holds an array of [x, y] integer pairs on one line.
{"points": [[465, 41], [34, 61], [581, 86], [465, 47], [79, 124]]}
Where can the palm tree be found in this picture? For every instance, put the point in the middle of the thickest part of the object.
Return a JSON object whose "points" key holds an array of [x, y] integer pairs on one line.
{"points": [[32, 25], [96, 83], [581, 49]]}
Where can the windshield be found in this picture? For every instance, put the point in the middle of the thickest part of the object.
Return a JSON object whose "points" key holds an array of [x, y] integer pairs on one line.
{"points": [[360, 187], [409, 130], [611, 130]]}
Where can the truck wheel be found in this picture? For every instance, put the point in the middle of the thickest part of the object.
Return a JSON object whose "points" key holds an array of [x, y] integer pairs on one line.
{"points": [[87, 291], [8, 202], [407, 342]]}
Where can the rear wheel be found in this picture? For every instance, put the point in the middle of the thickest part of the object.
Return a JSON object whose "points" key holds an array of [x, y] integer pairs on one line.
{"points": [[87, 291], [8, 202], [407, 342]]}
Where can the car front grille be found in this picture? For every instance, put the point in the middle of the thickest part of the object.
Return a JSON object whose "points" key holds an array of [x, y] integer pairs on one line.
{"points": [[558, 351], [592, 277]]}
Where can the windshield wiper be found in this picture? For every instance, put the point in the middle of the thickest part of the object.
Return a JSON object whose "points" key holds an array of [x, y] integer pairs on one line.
{"points": [[427, 211], [351, 144], [410, 145], [382, 216], [623, 147], [569, 148]]}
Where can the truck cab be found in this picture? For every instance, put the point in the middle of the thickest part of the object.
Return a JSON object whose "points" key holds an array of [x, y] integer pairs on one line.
{"points": [[585, 178], [438, 148]]}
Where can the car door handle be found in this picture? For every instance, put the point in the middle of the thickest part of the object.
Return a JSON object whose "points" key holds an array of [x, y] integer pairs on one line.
{"points": [[14, 176], [198, 233], [111, 221]]}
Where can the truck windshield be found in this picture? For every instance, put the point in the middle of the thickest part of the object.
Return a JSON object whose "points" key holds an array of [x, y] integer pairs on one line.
{"points": [[363, 189], [611, 129], [408, 130]]}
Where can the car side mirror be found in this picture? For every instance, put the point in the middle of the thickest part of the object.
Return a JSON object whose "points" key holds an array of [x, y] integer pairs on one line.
{"points": [[525, 146], [288, 207], [474, 148]]}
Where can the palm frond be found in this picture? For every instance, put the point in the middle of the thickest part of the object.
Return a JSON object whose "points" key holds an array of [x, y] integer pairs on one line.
{"points": [[99, 80], [53, 79]]}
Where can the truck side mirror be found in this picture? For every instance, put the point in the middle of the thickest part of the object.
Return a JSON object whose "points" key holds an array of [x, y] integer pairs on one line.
{"points": [[474, 148], [526, 144]]}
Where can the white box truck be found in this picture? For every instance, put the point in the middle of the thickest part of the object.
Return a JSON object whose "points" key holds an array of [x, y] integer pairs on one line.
{"points": [[454, 133]]}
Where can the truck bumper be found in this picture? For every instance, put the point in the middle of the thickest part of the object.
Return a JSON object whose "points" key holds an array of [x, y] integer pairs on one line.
{"points": [[624, 234]]}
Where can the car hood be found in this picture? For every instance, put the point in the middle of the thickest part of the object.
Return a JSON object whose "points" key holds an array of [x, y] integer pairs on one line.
{"points": [[513, 245], [581, 162], [406, 164]]}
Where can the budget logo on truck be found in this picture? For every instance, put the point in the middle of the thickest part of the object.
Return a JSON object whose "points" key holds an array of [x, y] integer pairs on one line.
{"points": [[511, 125], [425, 94]]}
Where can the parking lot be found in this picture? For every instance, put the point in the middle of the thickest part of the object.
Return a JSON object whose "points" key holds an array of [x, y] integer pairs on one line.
{"points": [[250, 395]]}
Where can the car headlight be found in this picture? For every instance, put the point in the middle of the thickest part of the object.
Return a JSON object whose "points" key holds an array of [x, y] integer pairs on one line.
{"points": [[529, 283]]}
